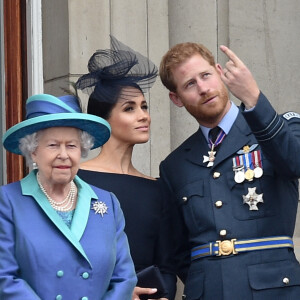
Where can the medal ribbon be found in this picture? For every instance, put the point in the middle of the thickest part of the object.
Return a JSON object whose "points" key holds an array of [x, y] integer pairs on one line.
{"points": [[256, 157], [241, 160], [248, 160], [236, 162], [218, 140]]}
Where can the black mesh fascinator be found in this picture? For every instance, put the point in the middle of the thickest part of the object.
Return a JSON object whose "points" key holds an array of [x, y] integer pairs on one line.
{"points": [[112, 69]]}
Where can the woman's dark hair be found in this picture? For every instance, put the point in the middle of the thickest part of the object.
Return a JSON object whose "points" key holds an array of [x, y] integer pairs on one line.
{"points": [[102, 108], [99, 108]]}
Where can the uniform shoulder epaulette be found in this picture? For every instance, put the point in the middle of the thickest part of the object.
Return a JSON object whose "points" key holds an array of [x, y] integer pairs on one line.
{"points": [[289, 115]]}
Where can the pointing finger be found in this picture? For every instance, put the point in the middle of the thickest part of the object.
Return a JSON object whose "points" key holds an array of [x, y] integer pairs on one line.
{"points": [[230, 54]]}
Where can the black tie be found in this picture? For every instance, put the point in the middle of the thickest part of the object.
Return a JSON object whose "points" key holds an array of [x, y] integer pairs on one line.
{"points": [[213, 133]]}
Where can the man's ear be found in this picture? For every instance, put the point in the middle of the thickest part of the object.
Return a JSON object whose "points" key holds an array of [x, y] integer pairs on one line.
{"points": [[219, 69], [175, 99]]}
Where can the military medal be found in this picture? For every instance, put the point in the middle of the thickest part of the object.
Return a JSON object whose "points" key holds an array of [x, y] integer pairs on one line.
{"points": [[212, 154], [238, 169], [248, 165], [258, 171], [252, 199], [210, 158], [99, 207], [249, 173], [239, 176]]}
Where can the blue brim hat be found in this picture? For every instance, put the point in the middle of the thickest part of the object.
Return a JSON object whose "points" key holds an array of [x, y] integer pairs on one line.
{"points": [[46, 111]]}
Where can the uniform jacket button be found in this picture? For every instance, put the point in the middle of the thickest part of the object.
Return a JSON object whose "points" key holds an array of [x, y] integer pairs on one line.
{"points": [[85, 275], [184, 199], [219, 204], [285, 280], [84, 298], [58, 297], [216, 175], [223, 232]]}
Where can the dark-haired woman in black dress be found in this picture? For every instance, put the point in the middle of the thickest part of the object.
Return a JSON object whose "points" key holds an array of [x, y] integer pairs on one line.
{"points": [[116, 87]]}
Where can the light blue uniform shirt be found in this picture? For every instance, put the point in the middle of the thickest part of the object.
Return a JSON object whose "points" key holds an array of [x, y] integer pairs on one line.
{"points": [[226, 123]]}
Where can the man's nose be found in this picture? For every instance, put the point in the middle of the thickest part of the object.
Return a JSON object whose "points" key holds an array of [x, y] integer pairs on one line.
{"points": [[202, 87]]}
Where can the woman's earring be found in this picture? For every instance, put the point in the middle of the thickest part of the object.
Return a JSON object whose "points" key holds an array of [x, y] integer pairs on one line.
{"points": [[34, 166]]}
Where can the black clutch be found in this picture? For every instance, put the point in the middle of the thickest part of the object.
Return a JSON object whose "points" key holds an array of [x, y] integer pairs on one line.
{"points": [[151, 277]]}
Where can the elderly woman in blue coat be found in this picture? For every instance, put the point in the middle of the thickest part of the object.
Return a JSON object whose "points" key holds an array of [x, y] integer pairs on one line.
{"points": [[60, 238]]}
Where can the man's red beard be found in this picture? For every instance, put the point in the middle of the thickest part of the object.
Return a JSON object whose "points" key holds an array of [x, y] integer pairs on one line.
{"points": [[210, 114]]}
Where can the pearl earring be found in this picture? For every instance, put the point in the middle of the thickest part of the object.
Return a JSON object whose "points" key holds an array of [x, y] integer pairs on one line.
{"points": [[34, 166]]}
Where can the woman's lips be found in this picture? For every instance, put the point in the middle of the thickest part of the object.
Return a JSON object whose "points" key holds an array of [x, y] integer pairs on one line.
{"points": [[63, 167]]}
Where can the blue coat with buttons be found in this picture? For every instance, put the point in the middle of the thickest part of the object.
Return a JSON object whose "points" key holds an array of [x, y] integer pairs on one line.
{"points": [[42, 258], [210, 207]]}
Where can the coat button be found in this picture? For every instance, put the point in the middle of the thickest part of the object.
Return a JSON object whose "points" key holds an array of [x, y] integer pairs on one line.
{"points": [[218, 204], [84, 298], [60, 273], [85, 275], [58, 297], [184, 199], [285, 280], [216, 175], [223, 232]]}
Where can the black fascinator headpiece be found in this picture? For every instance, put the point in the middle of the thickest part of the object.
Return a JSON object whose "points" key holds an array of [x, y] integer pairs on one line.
{"points": [[112, 69]]}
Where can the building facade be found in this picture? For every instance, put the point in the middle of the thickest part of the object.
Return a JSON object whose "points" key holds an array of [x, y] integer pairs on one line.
{"points": [[61, 35]]}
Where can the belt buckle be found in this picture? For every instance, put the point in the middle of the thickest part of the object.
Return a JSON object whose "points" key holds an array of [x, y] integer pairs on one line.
{"points": [[226, 247]]}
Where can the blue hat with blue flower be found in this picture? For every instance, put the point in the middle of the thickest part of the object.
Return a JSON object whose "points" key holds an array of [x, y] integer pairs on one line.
{"points": [[46, 111]]}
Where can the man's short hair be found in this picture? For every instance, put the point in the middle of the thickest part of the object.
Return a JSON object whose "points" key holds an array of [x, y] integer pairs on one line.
{"points": [[177, 55]]}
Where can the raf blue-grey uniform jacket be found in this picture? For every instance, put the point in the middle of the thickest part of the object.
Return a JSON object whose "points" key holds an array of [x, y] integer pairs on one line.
{"points": [[42, 258], [256, 275]]}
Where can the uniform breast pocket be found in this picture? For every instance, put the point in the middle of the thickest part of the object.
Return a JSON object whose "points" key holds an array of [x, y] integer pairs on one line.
{"points": [[276, 280], [253, 199], [195, 206]]}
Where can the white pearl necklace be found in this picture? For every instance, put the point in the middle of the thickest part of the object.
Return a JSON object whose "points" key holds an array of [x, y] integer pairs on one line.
{"points": [[67, 203]]}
